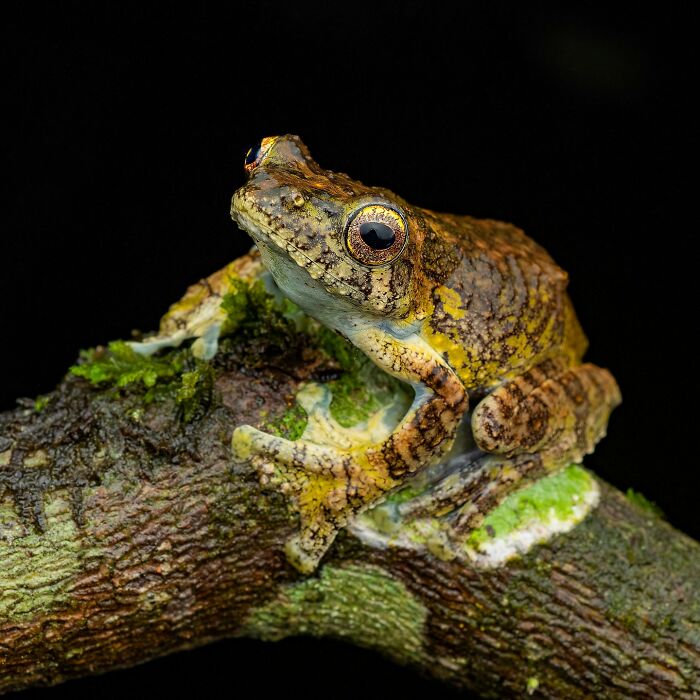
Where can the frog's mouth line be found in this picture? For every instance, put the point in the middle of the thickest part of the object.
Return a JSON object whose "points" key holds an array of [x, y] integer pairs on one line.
{"points": [[262, 234]]}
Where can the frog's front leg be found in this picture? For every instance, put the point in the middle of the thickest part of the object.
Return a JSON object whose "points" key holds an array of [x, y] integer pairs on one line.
{"points": [[329, 485]]}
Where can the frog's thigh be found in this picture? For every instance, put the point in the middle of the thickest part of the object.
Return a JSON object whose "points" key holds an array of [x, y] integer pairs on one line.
{"points": [[552, 409]]}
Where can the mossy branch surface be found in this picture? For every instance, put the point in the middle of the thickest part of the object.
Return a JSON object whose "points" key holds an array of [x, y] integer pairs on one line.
{"points": [[127, 532]]}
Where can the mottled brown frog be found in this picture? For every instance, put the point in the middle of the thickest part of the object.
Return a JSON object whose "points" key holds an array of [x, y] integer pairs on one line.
{"points": [[463, 310]]}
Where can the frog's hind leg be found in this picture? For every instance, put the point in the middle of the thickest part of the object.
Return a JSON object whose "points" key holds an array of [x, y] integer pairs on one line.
{"points": [[552, 409], [541, 421]]}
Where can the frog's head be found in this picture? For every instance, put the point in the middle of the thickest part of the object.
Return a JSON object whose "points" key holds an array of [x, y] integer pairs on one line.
{"points": [[332, 244]]}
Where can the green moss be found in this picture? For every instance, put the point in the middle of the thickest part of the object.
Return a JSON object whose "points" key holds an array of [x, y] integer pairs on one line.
{"points": [[194, 392], [362, 389], [120, 366], [360, 603], [236, 305], [252, 312], [642, 502], [176, 375], [41, 402], [342, 351], [353, 401], [555, 495], [291, 424]]}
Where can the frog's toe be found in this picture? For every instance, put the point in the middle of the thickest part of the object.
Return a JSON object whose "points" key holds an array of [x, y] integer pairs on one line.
{"points": [[149, 346], [248, 442], [243, 442], [306, 549], [304, 555]]}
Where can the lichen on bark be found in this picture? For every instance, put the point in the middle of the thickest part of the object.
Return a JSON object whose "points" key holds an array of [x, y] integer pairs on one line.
{"points": [[362, 604], [42, 564]]}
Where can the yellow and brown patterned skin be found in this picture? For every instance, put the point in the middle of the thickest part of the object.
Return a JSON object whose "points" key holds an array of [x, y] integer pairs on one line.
{"points": [[459, 308]]}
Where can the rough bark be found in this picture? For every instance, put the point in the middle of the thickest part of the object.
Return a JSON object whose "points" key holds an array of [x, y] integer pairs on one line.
{"points": [[128, 533]]}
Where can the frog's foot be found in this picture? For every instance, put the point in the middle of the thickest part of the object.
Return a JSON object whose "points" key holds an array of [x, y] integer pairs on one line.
{"points": [[326, 485], [473, 487]]}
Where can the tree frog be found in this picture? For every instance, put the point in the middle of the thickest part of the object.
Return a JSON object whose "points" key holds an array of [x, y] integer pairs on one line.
{"points": [[470, 313], [465, 311]]}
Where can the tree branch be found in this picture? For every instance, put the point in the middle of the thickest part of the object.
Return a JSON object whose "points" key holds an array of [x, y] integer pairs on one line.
{"points": [[127, 532]]}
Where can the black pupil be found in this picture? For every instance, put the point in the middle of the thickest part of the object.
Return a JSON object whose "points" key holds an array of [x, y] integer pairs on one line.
{"points": [[253, 153], [377, 235]]}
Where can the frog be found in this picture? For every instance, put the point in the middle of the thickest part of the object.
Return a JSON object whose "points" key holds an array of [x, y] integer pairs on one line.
{"points": [[471, 314]]}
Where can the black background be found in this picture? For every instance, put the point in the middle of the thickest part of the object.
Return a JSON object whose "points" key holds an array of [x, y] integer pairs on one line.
{"points": [[127, 133]]}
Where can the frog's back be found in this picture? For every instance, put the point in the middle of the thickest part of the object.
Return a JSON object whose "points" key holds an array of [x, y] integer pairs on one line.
{"points": [[499, 301]]}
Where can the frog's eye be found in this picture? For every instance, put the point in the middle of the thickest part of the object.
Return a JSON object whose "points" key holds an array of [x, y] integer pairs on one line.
{"points": [[256, 153], [376, 234]]}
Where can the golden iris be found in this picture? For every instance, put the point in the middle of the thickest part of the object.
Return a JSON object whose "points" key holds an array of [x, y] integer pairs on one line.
{"points": [[376, 234]]}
